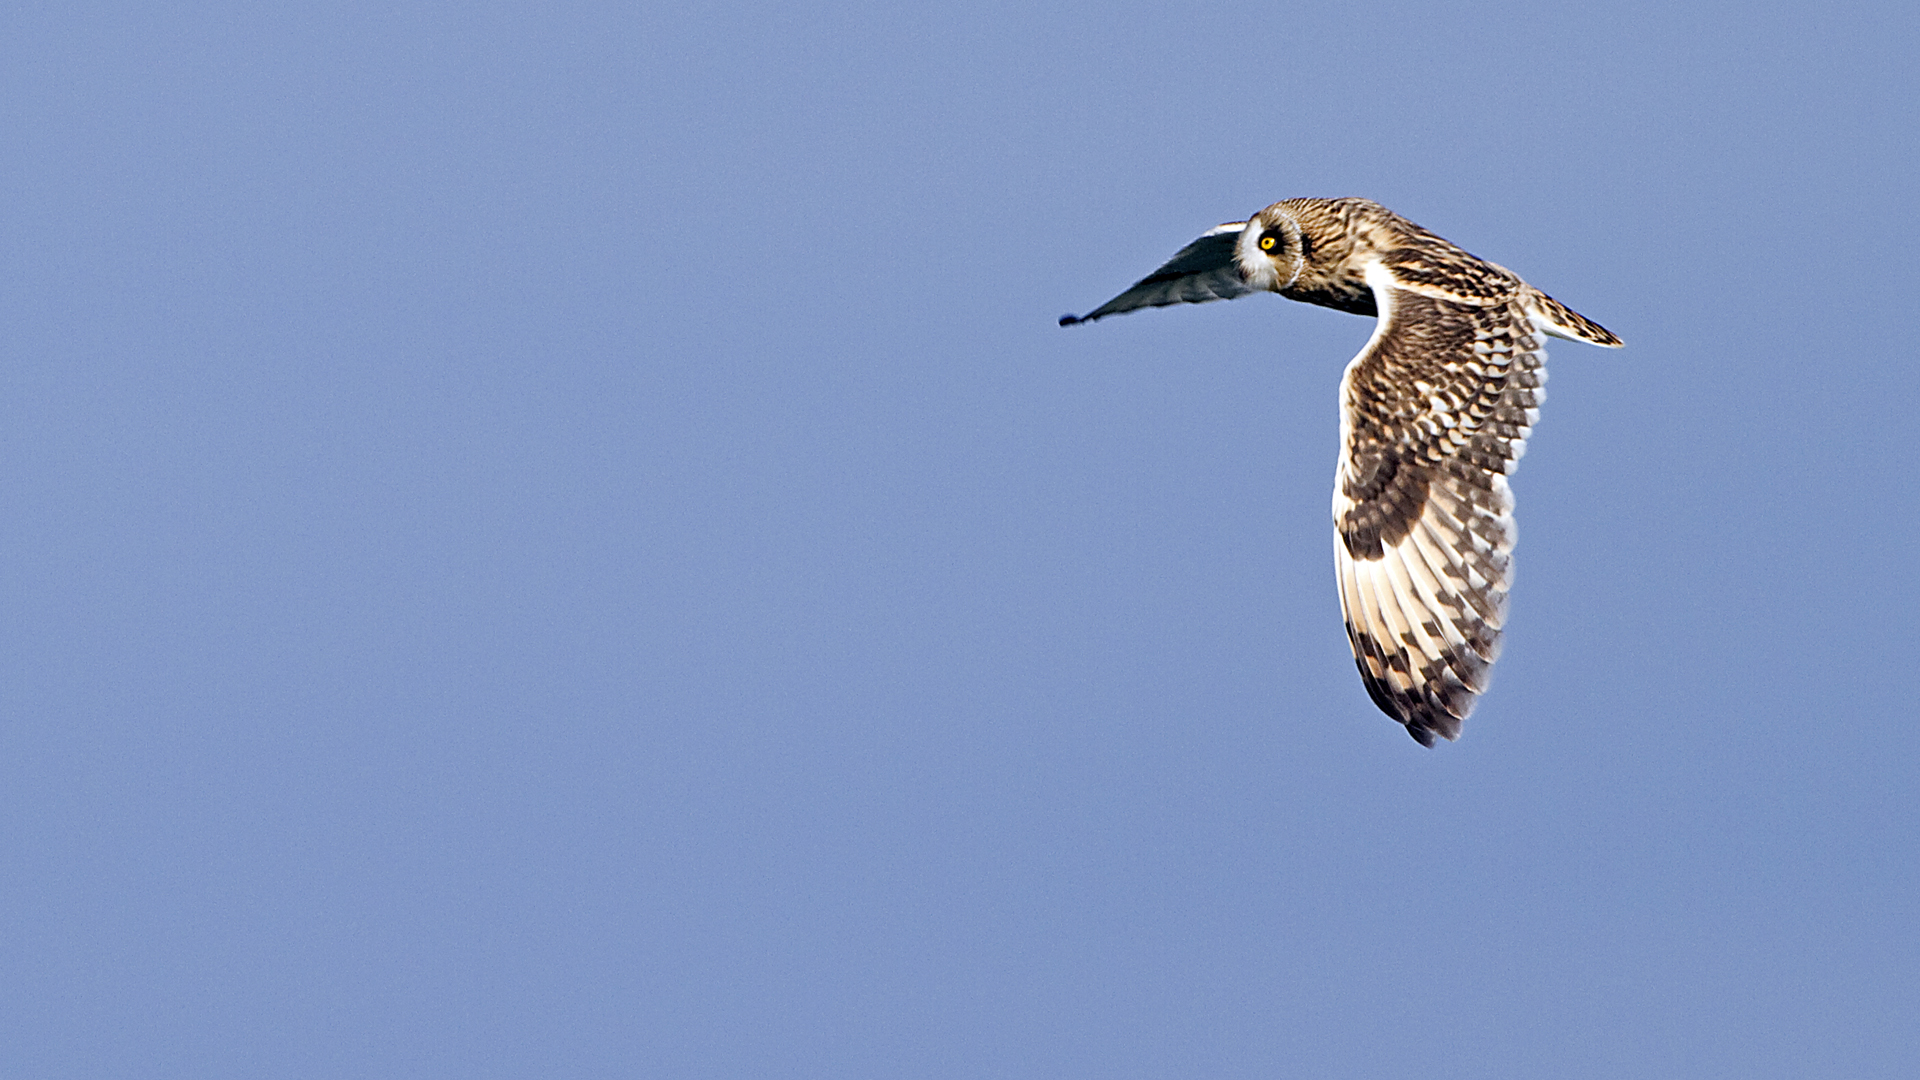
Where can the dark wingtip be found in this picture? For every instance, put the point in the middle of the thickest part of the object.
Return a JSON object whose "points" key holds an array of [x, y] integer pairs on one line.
{"points": [[1069, 320], [1423, 729]]}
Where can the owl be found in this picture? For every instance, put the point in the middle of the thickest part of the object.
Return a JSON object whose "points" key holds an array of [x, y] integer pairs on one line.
{"points": [[1434, 415]]}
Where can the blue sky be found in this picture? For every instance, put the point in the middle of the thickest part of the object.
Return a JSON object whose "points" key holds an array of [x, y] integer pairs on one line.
{"points": [[564, 540]]}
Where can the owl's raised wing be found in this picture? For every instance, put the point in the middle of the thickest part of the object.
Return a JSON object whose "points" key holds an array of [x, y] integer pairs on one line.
{"points": [[1201, 271], [1434, 414]]}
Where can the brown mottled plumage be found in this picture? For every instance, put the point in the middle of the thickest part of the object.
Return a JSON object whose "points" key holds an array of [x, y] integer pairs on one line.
{"points": [[1434, 414]]}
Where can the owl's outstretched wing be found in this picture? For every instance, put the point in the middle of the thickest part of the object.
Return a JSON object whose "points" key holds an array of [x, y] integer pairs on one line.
{"points": [[1201, 271], [1434, 414]]}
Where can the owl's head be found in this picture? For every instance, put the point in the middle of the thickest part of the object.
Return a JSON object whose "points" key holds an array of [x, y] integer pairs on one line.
{"points": [[1269, 254]]}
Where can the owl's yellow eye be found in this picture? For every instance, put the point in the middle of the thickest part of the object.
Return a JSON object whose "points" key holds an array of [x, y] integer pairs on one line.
{"points": [[1266, 243]]}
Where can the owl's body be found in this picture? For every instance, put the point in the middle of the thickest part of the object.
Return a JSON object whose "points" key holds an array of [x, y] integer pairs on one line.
{"points": [[1435, 412]]}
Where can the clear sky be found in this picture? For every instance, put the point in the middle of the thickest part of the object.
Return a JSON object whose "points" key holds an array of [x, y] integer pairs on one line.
{"points": [[563, 540]]}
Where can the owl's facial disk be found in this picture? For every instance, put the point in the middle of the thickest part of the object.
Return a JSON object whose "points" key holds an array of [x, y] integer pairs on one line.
{"points": [[1268, 253]]}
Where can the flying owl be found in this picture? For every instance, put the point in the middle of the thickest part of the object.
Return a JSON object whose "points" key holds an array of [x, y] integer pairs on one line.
{"points": [[1434, 413]]}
